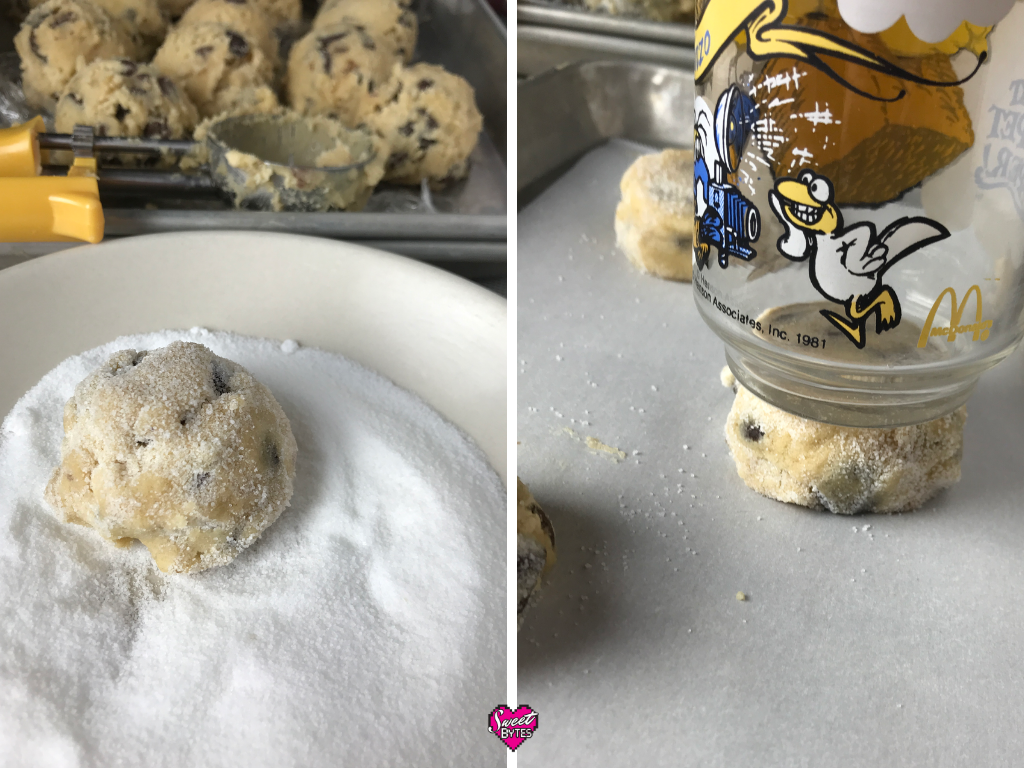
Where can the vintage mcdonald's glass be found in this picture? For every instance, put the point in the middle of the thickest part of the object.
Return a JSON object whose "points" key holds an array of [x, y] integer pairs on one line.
{"points": [[859, 189]]}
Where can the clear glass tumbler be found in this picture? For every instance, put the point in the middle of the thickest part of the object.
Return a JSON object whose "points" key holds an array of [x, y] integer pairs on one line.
{"points": [[859, 188]]}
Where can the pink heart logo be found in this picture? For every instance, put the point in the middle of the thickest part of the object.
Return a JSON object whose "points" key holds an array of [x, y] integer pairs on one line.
{"points": [[512, 728]]}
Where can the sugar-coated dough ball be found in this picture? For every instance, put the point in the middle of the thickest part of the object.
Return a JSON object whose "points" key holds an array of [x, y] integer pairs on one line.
{"points": [[654, 220], [177, 448], [338, 71], [387, 21], [242, 16], [216, 66], [55, 37], [535, 547], [430, 118], [842, 469], [121, 98]]}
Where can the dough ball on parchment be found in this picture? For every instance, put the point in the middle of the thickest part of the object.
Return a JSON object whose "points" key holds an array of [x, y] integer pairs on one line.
{"points": [[177, 448], [654, 220], [842, 469], [535, 545]]}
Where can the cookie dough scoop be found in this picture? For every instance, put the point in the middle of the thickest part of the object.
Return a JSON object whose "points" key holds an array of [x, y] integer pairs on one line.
{"points": [[535, 548], [295, 163], [179, 449], [844, 470]]}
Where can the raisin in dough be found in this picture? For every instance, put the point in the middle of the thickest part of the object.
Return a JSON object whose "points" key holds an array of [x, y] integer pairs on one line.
{"points": [[338, 71], [242, 16], [654, 220], [535, 547], [842, 469], [388, 21], [55, 37], [430, 118], [216, 66], [178, 448], [121, 98]]}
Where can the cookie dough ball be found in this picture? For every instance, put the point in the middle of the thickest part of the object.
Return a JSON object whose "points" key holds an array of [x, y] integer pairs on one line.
{"points": [[842, 469], [177, 448], [430, 118], [388, 21], [141, 22], [338, 70], [283, 13], [121, 98], [654, 220], [535, 547], [217, 66], [244, 17], [175, 8], [55, 37]]}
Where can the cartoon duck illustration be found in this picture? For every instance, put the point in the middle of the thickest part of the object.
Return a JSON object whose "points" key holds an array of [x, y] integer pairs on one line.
{"points": [[847, 265]]}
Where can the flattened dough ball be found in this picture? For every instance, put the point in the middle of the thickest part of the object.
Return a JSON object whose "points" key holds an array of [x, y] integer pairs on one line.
{"points": [[430, 118], [338, 71], [535, 547], [842, 469], [121, 98], [388, 21], [178, 448], [216, 65], [654, 220], [52, 40]]}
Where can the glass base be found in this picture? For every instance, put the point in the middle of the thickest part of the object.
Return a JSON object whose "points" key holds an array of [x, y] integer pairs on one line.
{"points": [[851, 403]]}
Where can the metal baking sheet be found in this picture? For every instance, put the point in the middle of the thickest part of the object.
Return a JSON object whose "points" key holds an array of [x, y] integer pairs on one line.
{"points": [[549, 36], [465, 37], [554, 14], [865, 641], [565, 112]]}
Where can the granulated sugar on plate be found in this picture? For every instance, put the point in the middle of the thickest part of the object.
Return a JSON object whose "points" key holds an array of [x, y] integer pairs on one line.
{"points": [[365, 628]]}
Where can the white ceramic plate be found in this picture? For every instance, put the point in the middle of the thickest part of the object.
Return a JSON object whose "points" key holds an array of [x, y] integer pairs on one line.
{"points": [[430, 332]]}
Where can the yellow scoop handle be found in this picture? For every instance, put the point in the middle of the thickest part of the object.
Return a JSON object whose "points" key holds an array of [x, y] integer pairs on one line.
{"points": [[36, 208]]}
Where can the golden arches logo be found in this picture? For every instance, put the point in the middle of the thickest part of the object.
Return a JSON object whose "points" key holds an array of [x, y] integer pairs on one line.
{"points": [[979, 328]]}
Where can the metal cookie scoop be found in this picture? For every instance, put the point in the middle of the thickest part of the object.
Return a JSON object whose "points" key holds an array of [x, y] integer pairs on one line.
{"points": [[293, 163], [259, 162]]}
